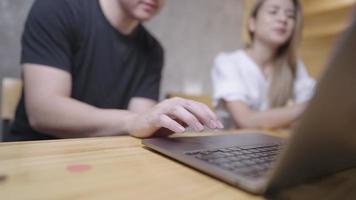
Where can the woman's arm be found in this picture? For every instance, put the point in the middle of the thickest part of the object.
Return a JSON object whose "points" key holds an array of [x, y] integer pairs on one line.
{"points": [[244, 117]]}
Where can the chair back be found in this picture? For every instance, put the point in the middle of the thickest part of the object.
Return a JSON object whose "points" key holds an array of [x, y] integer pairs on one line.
{"points": [[10, 96]]}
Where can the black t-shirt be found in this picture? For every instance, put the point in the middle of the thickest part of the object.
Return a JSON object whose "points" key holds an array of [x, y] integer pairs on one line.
{"points": [[107, 67]]}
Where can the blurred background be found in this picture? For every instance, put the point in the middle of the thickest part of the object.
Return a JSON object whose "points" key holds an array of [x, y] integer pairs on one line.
{"points": [[193, 32]]}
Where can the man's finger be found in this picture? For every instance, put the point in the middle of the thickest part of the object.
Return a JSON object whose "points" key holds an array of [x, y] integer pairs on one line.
{"points": [[203, 113], [187, 117], [167, 122]]}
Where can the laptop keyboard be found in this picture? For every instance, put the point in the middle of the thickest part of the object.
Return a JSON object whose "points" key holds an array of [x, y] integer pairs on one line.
{"points": [[250, 161]]}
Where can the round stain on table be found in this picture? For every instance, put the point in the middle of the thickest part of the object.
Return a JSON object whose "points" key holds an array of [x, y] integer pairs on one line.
{"points": [[78, 168]]}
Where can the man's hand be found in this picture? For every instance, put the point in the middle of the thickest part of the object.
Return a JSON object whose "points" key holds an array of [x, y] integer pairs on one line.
{"points": [[170, 114]]}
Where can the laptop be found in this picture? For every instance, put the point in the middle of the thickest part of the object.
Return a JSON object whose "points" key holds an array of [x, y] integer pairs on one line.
{"points": [[323, 142]]}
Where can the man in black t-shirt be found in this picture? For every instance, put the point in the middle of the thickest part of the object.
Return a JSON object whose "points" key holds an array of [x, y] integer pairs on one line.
{"points": [[91, 69]]}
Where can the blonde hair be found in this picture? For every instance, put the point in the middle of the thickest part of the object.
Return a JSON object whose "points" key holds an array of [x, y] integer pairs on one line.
{"points": [[285, 63]]}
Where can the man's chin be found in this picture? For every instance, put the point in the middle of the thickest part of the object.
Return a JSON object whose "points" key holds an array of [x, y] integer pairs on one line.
{"points": [[144, 16]]}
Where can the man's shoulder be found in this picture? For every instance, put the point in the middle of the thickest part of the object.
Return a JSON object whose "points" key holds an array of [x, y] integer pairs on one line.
{"points": [[64, 2], [61, 6], [68, 14]]}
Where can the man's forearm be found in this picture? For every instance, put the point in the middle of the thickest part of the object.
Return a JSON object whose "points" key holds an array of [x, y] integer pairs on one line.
{"points": [[68, 118]]}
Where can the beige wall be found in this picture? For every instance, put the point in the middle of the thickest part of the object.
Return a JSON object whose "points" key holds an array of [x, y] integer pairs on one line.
{"points": [[193, 32], [12, 16]]}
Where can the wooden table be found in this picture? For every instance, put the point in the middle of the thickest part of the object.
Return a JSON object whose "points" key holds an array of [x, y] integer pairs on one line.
{"points": [[112, 168]]}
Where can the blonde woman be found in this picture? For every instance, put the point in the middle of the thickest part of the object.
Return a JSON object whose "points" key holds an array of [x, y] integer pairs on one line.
{"points": [[265, 85]]}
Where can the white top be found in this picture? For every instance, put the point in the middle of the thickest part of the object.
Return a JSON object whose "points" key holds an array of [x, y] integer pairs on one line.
{"points": [[236, 76]]}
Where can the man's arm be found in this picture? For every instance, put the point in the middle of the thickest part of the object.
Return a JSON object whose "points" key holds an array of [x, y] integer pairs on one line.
{"points": [[244, 117], [141, 105], [51, 109]]}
